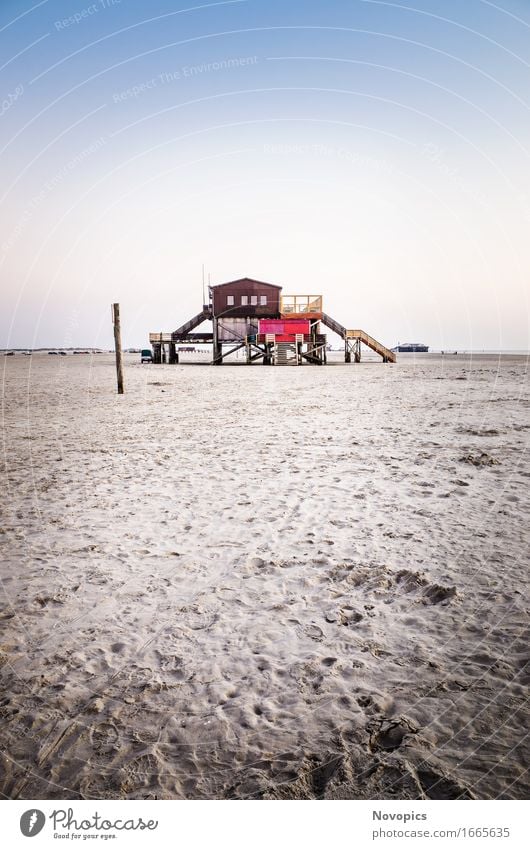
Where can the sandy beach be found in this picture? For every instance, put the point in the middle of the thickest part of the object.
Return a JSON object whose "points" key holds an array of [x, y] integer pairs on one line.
{"points": [[264, 582]]}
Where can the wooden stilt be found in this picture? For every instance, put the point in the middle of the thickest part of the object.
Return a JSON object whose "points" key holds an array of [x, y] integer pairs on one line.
{"points": [[217, 348]]}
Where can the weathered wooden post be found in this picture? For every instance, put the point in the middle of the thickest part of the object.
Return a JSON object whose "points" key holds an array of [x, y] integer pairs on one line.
{"points": [[117, 346], [217, 348]]}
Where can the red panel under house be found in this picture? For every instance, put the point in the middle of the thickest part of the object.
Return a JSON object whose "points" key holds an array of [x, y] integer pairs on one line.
{"points": [[285, 329]]}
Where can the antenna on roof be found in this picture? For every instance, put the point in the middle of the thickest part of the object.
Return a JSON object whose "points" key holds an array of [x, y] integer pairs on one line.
{"points": [[203, 293]]}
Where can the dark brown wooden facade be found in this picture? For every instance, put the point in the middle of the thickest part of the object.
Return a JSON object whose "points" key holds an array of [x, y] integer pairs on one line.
{"points": [[246, 297]]}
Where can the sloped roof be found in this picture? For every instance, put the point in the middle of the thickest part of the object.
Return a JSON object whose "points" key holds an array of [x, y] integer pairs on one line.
{"points": [[244, 279]]}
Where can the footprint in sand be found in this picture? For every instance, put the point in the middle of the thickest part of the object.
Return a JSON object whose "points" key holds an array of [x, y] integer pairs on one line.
{"points": [[388, 735], [482, 459], [436, 594], [437, 786], [343, 616], [104, 737], [313, 632], [414, 582]]}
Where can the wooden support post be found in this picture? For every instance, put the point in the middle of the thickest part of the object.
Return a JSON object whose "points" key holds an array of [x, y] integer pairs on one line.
{"points": [[217, 350], [117, 346], [347, 352], [172, 353], [299, 341]]}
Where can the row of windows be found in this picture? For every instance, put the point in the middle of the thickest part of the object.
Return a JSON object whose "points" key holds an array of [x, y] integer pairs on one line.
{"points": [[230, 302]]}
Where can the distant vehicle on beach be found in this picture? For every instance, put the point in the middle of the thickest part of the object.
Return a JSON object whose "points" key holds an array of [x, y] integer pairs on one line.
{"points": [[411, 348], [146, 356]]}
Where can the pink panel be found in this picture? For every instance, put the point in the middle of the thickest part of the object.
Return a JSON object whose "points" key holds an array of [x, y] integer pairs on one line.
{"points": [[283, 325]]}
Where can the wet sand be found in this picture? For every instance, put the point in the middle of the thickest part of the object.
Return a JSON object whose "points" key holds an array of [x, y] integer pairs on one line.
{"points": [[262, 582]]}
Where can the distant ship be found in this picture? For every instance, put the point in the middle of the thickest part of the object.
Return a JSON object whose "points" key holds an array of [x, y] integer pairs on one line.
{"points": [[411, 348]]}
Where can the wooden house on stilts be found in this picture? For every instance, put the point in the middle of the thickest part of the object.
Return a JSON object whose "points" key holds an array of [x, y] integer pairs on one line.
{"points": [[270, 327]]}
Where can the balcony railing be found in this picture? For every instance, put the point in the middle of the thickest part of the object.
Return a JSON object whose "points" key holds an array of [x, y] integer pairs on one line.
{"points": [[300, 304]]}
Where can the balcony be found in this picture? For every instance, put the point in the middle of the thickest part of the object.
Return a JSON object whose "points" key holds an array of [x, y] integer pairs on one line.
{"points": [[301, 305]]}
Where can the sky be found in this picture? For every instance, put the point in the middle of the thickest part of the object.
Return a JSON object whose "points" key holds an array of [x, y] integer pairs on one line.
{"points": [[376, 153]]}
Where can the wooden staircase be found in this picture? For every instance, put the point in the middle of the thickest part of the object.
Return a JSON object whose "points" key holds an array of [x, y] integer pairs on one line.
{"points": [[384, 352], [337, 328], [281, 354], [183, 331]]}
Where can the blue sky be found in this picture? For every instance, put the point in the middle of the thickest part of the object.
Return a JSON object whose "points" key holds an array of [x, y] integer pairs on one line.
{"points": [[375, 152]]}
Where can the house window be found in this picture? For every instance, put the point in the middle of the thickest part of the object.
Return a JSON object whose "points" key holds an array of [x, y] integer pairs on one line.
{"points": [[244, 300], [263, 300], [254, 300], [229, 300]]}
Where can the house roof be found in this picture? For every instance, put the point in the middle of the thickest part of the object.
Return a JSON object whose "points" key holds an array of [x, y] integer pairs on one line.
{"points": [[245, 279]]}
